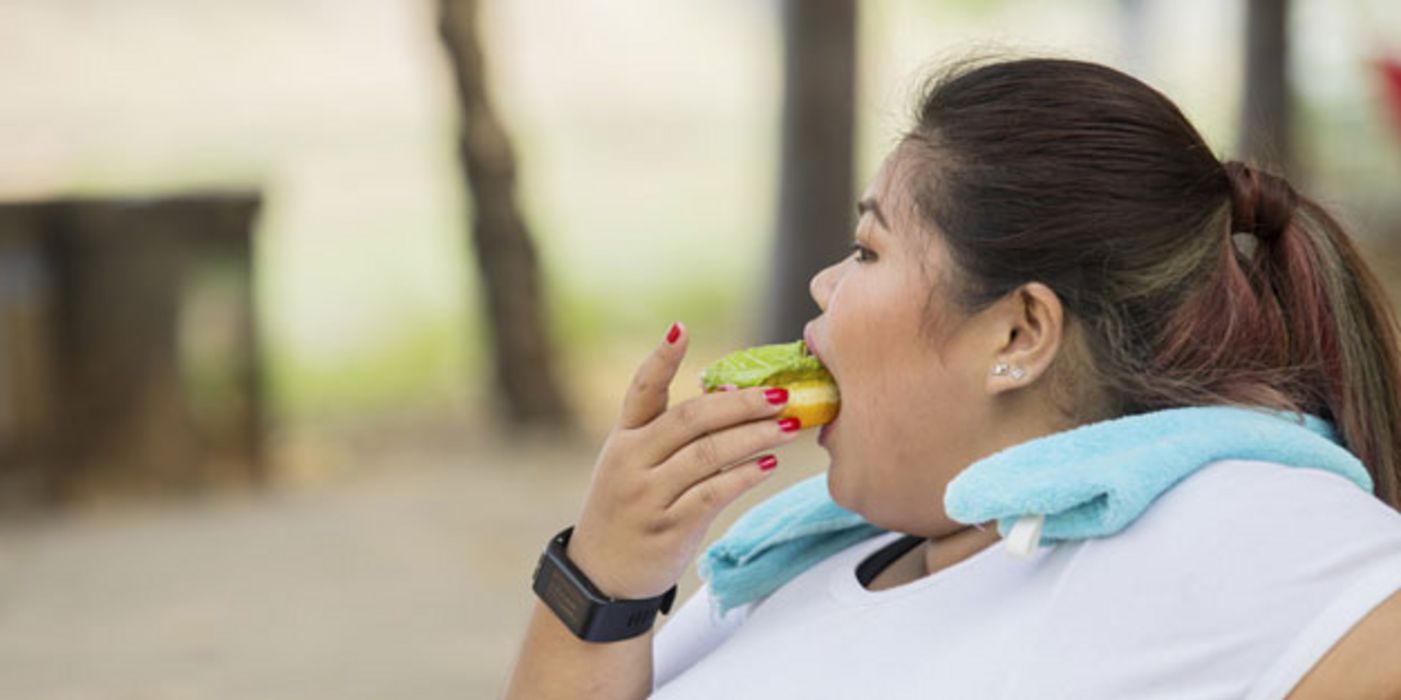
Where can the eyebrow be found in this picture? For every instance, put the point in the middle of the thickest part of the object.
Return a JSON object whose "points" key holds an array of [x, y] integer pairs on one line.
{"points": [[868, 204]]}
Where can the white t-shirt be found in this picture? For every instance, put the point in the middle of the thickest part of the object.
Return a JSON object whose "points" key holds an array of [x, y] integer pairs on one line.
{"points": [[1232, 584]]}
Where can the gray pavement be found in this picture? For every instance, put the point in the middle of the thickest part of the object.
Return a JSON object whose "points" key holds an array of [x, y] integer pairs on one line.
{"points": [[405, 576]]}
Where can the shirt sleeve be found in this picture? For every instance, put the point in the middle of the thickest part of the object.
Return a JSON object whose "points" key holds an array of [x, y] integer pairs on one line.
{"points": [[1349, 607], [692, 633]]}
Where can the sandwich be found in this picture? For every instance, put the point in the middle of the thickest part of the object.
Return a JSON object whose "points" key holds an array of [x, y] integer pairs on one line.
{"points": [[812, 393]]}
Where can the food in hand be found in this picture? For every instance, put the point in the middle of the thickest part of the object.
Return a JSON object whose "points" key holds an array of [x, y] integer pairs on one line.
{"points": [[812, 393]]}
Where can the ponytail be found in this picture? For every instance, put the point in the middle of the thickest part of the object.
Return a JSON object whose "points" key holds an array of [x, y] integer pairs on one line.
{"points": [[1325, 335], [1341, 322]]}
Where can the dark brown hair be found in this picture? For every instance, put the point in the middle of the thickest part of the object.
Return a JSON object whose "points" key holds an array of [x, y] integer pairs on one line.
{"points": [[1189, 281]]}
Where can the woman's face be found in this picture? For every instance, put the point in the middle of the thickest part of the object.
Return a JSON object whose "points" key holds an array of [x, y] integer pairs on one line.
{"points": [[911, 370]]}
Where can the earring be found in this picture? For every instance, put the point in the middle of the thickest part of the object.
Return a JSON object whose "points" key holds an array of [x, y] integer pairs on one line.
{"points": [[1002, 368]]}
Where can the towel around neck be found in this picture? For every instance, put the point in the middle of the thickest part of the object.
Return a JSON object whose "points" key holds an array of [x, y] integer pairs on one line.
{"points": [[1091, 481]]}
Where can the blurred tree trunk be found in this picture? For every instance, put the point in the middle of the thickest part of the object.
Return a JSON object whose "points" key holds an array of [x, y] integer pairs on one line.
{"points": [[816, 198], [525, 369], [1266, 127]]}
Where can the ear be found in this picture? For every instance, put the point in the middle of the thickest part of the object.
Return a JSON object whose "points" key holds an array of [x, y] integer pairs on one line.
{"points": [[1028, 326]]}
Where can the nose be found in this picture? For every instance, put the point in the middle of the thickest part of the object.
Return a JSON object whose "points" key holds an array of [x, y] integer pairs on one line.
{"points": [[822, 283]]}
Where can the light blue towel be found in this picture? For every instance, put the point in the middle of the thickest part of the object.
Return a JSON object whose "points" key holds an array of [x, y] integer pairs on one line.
{"points": [[1091, 481]]}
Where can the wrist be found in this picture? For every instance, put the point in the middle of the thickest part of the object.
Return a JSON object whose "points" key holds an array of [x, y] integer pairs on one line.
{"points": [[585, 610], [594, 564]]}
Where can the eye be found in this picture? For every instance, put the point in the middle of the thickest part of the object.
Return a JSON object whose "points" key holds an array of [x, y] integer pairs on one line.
{"points": [[862, 253]]}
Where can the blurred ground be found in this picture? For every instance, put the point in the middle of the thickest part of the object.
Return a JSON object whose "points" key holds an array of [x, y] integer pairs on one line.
{"points": [[406, 576]]}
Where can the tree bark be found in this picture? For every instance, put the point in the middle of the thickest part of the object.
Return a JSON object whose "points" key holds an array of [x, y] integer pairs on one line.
{"points": [[816, 193], [524, 359], [1266, 128]]}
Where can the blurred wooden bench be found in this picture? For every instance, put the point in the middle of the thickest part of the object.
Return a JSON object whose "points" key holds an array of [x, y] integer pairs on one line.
{"points": [[129, 358]]}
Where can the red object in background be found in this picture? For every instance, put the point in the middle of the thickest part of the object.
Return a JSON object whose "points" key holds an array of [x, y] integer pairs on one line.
{"points": [[1391, 86]]}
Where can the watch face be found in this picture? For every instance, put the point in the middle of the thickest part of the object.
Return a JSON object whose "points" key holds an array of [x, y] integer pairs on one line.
{"points": [[562, 590], [567, 602]]}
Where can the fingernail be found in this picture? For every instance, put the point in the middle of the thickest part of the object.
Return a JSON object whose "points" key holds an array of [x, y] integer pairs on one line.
{"points": [[673, 333], [776, 396], [767, 463], [789, 425]]}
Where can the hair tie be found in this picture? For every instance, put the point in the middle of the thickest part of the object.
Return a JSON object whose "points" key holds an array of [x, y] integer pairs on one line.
{"points": [[1262, 204]]}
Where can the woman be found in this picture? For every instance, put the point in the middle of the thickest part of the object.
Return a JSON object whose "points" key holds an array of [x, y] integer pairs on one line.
{"points": [[1051, 254]]}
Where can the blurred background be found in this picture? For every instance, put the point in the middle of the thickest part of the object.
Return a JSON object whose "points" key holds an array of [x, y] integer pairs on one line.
{"points": [[313, 315]]}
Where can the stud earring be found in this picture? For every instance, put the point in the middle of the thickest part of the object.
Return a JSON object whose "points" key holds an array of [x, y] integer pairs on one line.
{"points": [[1002, 368]]}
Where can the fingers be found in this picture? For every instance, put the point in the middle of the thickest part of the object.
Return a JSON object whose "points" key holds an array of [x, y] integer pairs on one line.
{"points": [[646, 397], [689, 420], [707, 456], [704, 500]]}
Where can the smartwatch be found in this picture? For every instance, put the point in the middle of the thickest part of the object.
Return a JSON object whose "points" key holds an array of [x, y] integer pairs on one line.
{"points": [[586, 611]]}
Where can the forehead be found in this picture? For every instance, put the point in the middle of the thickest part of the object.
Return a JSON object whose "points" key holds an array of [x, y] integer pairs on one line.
{"points": [[891, 188], [882, 186], [922, 244]]}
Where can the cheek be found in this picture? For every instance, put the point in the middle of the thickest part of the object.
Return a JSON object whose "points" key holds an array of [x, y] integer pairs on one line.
{"points": [[905, 402], [875, 331]]}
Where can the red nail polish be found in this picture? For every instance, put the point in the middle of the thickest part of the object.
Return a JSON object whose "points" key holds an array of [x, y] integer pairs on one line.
{"points": [[768, 462], [673, 333], [776, 396], [790, 424]]}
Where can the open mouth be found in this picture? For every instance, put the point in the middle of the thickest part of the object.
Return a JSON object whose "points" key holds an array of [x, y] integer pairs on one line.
{"points": [[812, 349]]}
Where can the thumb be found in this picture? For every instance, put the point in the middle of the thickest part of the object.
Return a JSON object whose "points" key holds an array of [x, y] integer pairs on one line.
{"points": [[647, 396]]}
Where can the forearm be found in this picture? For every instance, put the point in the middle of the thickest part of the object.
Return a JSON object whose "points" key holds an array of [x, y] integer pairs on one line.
{"points": [[553, 663]]}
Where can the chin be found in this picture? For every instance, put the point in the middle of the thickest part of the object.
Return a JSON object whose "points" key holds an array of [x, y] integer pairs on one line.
{"points": [[834, 488], [842, 492], [847, 494]]}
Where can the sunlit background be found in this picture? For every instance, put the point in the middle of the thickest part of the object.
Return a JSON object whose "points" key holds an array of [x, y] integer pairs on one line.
{"points": [[385, 546]]}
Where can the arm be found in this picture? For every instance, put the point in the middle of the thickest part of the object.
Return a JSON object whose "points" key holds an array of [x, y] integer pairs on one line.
{"points": [[1364, 664], [553, 663], [661, 478]]}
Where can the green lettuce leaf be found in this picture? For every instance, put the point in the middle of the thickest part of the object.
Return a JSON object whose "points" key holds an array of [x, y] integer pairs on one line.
{"points": [[764, 365]]}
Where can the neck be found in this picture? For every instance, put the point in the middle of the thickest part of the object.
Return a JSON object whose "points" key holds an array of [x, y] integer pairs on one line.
{"points": [[957, 546]]}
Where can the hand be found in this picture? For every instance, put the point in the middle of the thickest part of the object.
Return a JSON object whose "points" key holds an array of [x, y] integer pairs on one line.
{"points": [[664, 474]]}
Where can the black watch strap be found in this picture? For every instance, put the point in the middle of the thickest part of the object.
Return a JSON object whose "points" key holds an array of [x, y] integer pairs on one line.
{"points": [[586, 611]]}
